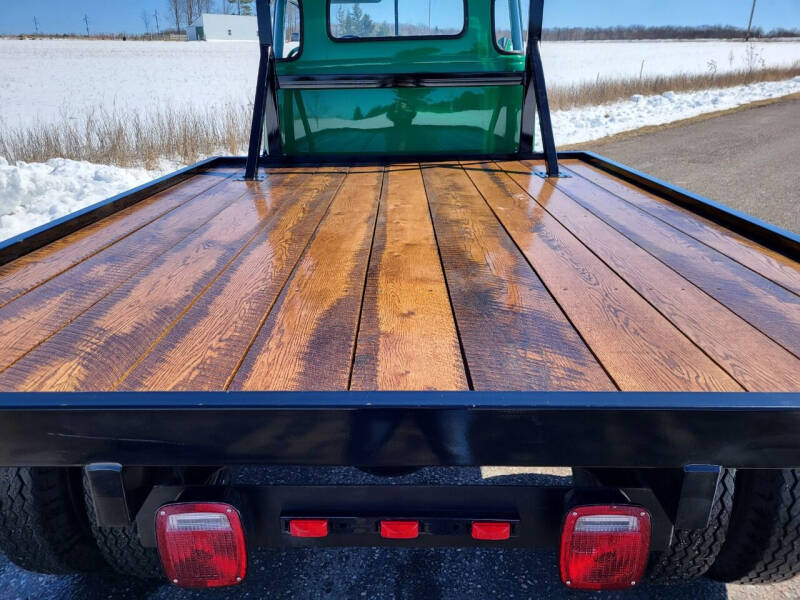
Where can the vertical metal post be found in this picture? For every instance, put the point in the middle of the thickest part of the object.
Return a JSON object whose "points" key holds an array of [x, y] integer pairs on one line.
{"points": [[750, 22], [536, 94], [265, 107], [278, 32], [515, 12], [396, 18]]}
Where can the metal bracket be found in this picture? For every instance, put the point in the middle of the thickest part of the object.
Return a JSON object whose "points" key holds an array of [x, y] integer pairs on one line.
{"points": [[256, 178], [545, 175], [108, 494], [698, 491]]}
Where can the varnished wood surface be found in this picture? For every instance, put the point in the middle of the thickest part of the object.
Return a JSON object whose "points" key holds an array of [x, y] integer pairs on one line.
{"points": [[407, 337], [639, 348], [440, 276]]}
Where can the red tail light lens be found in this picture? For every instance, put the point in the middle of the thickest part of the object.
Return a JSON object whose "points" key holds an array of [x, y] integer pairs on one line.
{"points": [[201, 544], [604, 547]]}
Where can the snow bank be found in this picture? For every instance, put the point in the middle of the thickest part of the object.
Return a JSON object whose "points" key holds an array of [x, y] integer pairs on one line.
{"points": [[595, 122], [34, 193]]}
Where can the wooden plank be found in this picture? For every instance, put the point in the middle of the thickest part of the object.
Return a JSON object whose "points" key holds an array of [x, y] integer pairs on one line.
{"points": [[762, 260], [97, 349], [32, 318], [747, 355], [31, 270], [307, 340], [513, 334], [407, 338], [637, 346], [764, 304], [203, 350]]}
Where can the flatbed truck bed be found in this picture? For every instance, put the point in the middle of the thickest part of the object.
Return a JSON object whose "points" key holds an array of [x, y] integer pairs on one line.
{"points": [[402, 276], [393, 279]]}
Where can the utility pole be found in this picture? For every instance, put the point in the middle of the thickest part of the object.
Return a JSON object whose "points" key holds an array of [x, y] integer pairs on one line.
{"points": [[750, 22], [86, 20], [36, 25]]}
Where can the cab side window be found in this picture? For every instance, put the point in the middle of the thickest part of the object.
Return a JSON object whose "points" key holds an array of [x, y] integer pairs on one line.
{"points": [[511, 25]]}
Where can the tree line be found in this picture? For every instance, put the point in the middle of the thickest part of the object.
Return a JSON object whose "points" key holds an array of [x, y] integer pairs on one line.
{"points": [[665, 32], [182, 13]]}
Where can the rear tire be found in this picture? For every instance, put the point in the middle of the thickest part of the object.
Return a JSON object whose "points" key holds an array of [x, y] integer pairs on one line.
{"points": [[43, 524], [693, 551], [763, 542], [121, 548]]}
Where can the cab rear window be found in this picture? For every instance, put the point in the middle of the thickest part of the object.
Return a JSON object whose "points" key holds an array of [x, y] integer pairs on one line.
{"points": [[391, 19]]}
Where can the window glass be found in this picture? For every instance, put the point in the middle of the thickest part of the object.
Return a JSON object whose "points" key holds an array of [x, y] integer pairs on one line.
{"points": [[395, 18], [287, 30], [511, 25]]}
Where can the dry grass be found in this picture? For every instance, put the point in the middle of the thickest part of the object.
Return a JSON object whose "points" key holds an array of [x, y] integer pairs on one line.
{"points": [[143, 139], [603, 91], [134, 139]]}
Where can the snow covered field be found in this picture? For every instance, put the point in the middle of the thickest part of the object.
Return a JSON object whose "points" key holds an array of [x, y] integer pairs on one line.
{"points": [[48, 81]]}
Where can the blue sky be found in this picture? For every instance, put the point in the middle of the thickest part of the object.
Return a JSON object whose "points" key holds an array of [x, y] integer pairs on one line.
{"points": [[66, 16]]}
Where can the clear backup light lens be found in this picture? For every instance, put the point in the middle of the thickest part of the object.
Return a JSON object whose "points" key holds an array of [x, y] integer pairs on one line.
{"points": [[604, 547], [201, 544]]}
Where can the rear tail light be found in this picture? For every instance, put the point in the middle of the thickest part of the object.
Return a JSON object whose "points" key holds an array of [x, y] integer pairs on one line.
{"points": [[604, 547], [201, 544]]}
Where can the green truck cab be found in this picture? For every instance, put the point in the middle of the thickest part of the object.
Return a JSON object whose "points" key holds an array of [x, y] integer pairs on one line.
{"points": [[452, 91]]}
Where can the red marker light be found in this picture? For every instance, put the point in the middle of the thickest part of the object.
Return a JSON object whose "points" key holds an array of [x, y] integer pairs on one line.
{"points": [[491, 531], [308, 528], [400, 530]]}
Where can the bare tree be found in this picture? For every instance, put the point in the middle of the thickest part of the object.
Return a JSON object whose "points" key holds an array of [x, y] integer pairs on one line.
{"points": [[145, 16], [175, 10]]}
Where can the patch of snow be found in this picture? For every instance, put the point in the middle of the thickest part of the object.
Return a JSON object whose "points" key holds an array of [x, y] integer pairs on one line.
{"points": [[32, 194], [594, 122]]}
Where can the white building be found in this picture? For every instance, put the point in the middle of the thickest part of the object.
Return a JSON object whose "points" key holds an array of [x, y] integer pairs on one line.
{"points": [[209, 27]]}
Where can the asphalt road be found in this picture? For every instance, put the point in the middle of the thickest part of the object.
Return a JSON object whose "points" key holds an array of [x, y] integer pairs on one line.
{"points": [[749, 160]]}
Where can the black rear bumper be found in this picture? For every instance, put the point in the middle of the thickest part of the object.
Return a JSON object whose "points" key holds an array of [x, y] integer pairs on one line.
{"points": [[382, 429]]}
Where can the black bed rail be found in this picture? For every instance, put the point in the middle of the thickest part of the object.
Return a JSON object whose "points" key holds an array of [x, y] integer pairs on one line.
{"points": [[385, 429]]}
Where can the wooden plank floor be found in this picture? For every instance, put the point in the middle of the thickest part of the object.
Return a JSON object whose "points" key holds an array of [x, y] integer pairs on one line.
{"points": [[441, 276]]}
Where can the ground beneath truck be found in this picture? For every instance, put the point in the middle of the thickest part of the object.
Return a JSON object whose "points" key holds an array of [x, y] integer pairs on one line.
{"points": [[472, 275]]}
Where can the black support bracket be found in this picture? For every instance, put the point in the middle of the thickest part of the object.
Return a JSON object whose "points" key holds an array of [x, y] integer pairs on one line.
{"points": [[698, 492], [265, 107], [535, 98], [107, 490]]}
